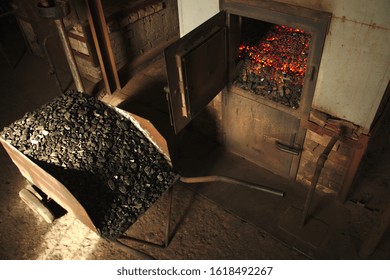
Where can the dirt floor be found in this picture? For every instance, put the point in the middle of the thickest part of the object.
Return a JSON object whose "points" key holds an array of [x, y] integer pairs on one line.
{"points": [[208, 222]]}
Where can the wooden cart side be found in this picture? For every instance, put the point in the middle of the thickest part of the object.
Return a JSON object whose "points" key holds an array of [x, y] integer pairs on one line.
{"points": [[48, 184], [149, 131]]}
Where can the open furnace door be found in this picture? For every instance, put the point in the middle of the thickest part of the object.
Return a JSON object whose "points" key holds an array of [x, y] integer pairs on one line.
{"points": [[197, 70]]}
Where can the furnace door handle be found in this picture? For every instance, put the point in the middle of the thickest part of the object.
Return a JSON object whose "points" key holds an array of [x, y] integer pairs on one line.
{"points": [[288, 149]]}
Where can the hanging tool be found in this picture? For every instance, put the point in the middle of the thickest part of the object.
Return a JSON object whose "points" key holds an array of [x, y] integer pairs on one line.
{"points": [[57, 10]]}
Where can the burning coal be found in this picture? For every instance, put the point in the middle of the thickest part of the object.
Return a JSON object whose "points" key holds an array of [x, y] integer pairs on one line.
{"points": [[275, 66]]}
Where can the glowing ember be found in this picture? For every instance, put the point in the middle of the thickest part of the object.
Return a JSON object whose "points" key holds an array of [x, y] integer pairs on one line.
{"points": [[276, 65]]}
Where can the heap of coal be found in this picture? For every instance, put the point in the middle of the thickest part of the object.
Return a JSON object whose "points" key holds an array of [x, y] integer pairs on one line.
{"points": [[102, 158]]}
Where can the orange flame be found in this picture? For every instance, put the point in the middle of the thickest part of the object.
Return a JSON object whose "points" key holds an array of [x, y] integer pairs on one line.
{"points": [[283, 48]]}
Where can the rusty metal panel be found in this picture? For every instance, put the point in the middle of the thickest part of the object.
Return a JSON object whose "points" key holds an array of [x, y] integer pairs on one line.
{"points": [[197, 70], [48, 184], [253, 131]]}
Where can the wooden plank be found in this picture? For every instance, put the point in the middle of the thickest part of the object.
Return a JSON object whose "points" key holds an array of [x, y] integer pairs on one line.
{"points": [[48, 184], [103, 47]]}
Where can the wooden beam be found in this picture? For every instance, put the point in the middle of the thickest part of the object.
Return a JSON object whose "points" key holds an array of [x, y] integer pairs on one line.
{"points": [[102, 43]]}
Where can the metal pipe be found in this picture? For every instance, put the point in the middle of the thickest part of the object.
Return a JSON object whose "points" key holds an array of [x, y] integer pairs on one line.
{"points": [[207, 179], [52, 70], [69, 55], [49, 9], [319, 166]]}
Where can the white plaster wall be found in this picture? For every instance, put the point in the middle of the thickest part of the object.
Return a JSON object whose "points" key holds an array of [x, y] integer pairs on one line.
{"points": [[355, 67], [192, 13]]}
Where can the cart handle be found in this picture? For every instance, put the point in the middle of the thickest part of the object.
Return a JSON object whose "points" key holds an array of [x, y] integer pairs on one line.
{"points": [[206, 179]]}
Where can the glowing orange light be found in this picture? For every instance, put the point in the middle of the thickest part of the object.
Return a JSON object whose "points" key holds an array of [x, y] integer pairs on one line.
{"points": [[280, 50]]}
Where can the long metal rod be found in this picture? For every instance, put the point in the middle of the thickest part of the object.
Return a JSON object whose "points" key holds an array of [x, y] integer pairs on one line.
{"points": [[69, 55], [319, 166], [207, 179], [52, 69]]}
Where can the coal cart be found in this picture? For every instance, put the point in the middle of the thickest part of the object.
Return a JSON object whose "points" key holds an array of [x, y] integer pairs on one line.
{"points": [[103, 165]]}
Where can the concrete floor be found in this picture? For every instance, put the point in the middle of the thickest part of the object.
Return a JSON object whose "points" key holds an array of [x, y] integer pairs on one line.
{"points": [[212, 221]]}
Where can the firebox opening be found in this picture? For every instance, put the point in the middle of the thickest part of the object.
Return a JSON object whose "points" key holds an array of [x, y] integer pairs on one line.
{"points": [[272, 61]]}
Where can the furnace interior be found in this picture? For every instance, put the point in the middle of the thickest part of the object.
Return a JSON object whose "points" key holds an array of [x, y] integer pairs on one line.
{"points": [[272, 61]]}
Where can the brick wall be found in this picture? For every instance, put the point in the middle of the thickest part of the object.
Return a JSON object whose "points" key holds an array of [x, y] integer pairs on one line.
{"points": [[83, 49], [336, 165], [137, 30]]}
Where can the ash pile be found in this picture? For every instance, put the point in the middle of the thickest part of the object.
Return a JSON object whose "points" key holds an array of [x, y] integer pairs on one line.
{"points": [[102, 158]]}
